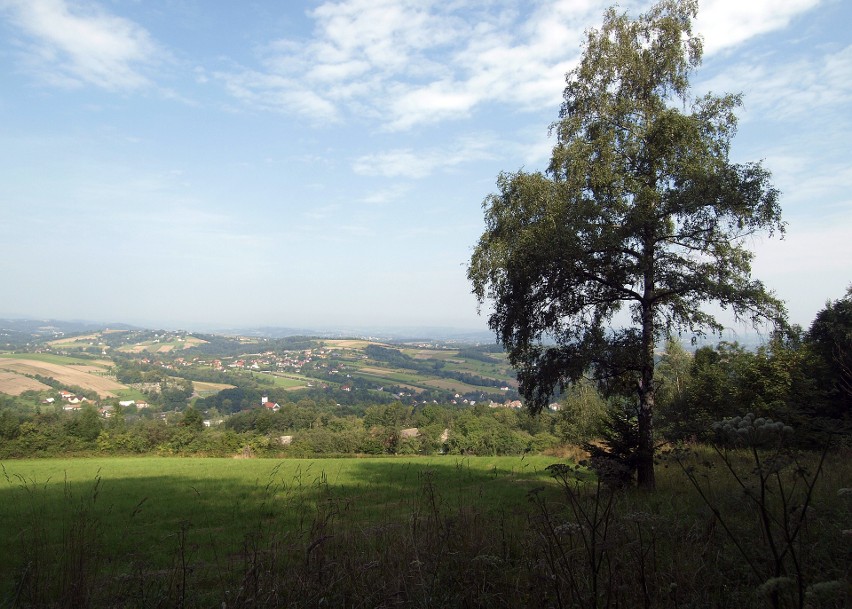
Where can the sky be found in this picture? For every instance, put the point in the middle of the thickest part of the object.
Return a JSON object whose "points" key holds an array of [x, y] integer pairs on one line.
{"points": [[320, 164]]}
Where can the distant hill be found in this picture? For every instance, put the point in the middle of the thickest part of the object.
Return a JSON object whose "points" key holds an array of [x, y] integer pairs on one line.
{"points": [[412, 333], [19, 332]]}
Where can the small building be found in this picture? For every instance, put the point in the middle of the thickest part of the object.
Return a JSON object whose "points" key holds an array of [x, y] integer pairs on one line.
{"points": [[273, 406]]}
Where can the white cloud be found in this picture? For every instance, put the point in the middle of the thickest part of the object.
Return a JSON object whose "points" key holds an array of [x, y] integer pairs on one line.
{"points": [[727, 23], [430, 103], [73, 44], [415, 62]]}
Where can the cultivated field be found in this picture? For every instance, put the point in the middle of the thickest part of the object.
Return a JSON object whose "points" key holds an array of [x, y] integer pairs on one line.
{"points": [[12, 383], [85, 376], [204, 388], [439, 354], [76, 341]]}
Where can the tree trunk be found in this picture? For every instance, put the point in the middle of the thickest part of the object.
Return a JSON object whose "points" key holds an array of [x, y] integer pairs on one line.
{"points": [[645, 450]]}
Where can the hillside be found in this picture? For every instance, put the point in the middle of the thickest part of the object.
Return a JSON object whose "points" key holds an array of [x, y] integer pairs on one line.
{"points": [[126, 362]]}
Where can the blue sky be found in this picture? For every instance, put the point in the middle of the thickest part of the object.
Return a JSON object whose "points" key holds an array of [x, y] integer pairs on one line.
{"points": [[317, 164]]}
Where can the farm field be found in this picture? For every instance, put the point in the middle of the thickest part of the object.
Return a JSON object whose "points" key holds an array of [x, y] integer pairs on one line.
{"points": [[420, 353], [454, 385], [495, 371], [75, 341], [390, 376], [81, 373], [205, 388], [12, 383]]}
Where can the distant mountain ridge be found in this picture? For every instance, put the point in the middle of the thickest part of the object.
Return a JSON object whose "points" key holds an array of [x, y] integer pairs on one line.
{"points": [[20, 330], [47, 327], [41, 328]]}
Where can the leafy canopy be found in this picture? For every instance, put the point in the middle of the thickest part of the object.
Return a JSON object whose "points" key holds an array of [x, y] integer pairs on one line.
{"points": [[640, 209]]}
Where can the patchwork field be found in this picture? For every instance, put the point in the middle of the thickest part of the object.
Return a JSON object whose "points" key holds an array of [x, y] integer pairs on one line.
{"points": [[156, 346], [439, 354], [85, 375]]}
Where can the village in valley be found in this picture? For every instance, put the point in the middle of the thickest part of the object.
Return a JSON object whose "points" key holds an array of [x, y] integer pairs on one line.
{"points": [[138, 377]]}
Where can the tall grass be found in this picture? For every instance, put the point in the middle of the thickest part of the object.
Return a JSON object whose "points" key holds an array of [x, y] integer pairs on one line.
{"points": [[438, 532]]}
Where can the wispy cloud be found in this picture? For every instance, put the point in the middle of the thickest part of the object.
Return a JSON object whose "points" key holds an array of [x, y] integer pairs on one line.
{"points": [[415, 164], [277, 93], [408, 63], [73, 44], [789, 90], [386, 195]]}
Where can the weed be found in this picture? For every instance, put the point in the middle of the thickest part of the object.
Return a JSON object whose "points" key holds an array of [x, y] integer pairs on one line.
{"points": [[778, 486]]}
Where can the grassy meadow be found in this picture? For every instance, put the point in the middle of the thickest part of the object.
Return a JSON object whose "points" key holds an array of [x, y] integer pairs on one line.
{"points": [[290, 381], [139, 510], [421, 532]]}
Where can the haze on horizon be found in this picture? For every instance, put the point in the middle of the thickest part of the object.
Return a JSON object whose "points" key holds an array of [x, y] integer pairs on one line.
{"points": [[322, 164]]}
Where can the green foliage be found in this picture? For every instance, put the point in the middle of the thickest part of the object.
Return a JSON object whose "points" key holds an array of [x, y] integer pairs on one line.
{"points": [[830, 342], [192, 420], [672, 374], [583, 414], [772, 380], [85, 425], [614, 457]]}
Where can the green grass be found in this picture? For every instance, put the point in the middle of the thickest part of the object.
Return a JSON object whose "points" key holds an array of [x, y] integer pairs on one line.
{"points": [[143, 501], [286, 382], [405, 531], [398, 376], [493, 371], [131, 394], [50, 358]]}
